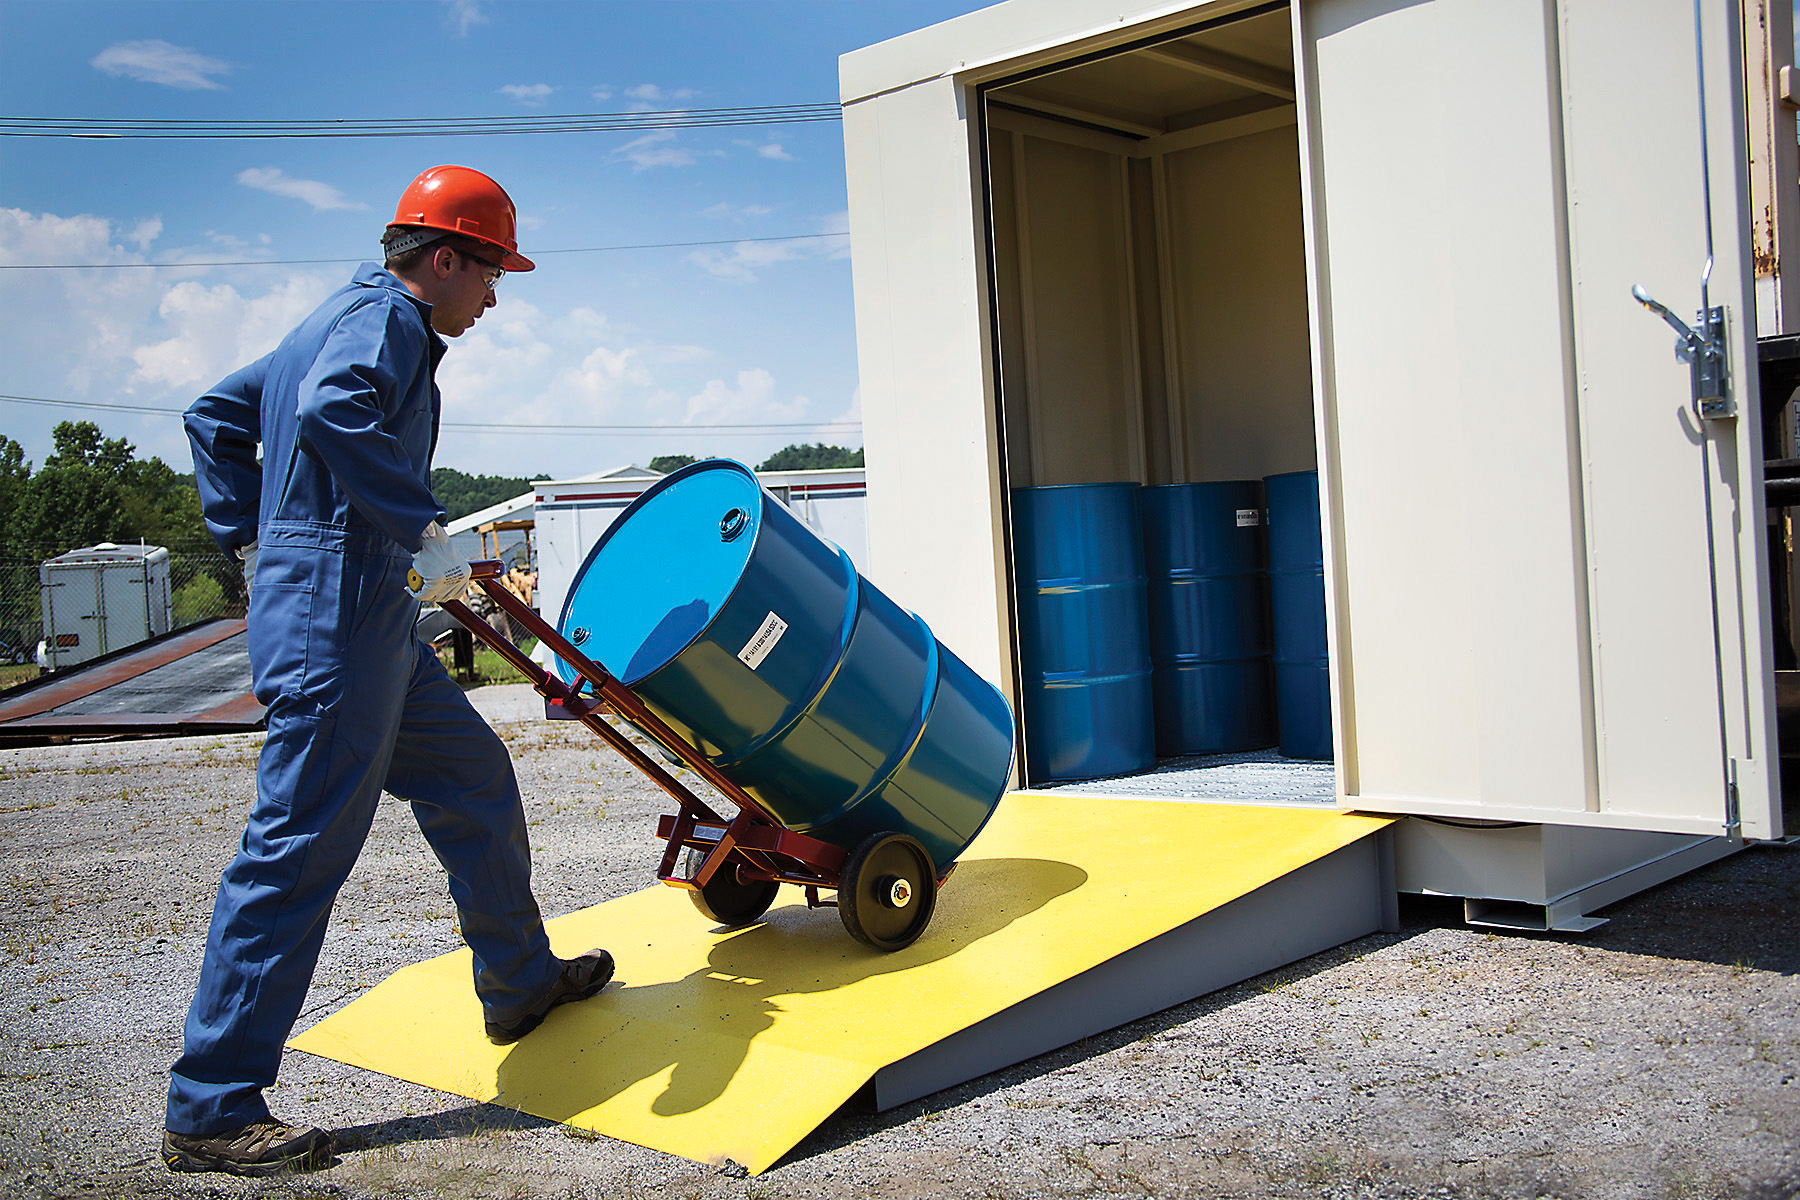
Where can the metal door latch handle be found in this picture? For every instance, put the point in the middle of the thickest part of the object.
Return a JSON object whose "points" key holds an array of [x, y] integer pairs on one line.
{"points": [[1703, 350]]}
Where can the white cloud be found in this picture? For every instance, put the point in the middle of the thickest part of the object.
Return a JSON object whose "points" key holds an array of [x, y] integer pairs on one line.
{"points": [[753, 399], [653, 150], [838, 225], [521, 367], [527, 93], [723, 211], [744, 260], [151, 337], [486, 363], [144, 232], [770, 150], [217, 329], [602, 93], [67, 333], [649, 92], [530, 369], [156, 337], [49, 238], [599, 382], [851, 416], [322, 196], [461, 15], [157, 61]]}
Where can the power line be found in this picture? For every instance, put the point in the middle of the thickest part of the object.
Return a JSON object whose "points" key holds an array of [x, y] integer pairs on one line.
{"points": [[303, 262], [385, 127], [144, 408], [727, 429]]}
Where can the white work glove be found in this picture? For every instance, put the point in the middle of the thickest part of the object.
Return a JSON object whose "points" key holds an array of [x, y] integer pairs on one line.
{"points": [[247, 554], [438, 572]]}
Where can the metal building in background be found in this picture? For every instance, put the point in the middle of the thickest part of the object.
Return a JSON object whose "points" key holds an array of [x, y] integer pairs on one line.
{"points": [[572, 514]]}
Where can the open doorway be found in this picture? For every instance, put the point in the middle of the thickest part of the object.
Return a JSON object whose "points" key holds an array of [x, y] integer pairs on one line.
{"points": [[1151, 322]]}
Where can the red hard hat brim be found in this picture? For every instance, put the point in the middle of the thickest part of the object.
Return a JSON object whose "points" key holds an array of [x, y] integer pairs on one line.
{"points": [[514, 261]]}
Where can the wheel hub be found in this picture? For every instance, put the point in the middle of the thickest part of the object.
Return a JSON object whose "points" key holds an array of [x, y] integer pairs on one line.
{"points": [[894, 891]]}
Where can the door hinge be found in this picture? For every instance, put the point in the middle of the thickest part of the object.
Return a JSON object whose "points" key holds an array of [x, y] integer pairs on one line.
{"points": [[1702, 348]]}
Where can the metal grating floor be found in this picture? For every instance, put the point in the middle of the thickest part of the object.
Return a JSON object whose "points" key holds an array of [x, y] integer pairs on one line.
{"points": [[1252, 777]]}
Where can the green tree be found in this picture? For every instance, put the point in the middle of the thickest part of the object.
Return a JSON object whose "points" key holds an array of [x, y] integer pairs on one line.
{"points": [[200, 597], [665, 463], [18, 570], [461, 493], [77, 497], [95, 489], [15, 474], [811, 458]]}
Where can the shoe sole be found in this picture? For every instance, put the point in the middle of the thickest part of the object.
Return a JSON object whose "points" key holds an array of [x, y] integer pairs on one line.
{"points": [[499, 1036], [188, 1162]]}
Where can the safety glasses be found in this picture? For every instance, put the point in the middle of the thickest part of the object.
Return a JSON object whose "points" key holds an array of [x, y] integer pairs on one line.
{"points": [[494, 273]]}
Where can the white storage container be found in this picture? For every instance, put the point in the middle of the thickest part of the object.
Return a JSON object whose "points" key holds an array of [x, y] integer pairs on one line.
{"points": [[103, 598], [1395, 241]]}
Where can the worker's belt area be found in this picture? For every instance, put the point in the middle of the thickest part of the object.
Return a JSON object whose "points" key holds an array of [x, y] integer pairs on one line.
{"points": [[323, 535]]}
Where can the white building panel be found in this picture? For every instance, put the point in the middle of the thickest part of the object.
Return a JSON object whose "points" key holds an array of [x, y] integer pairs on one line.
{"points": [[1396, 239]]}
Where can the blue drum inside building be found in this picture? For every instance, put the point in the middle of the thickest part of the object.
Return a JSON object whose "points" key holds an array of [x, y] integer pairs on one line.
{"points": [[1208, 602], [758, 641], [1083, 639], [1297, 591]]}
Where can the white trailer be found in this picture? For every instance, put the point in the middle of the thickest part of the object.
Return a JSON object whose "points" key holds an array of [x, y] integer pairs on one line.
{"points": [[103, 598], [1395, 241]]}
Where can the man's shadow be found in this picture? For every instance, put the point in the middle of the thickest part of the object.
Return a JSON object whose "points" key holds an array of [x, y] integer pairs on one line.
{"points": [[699, 1028]]}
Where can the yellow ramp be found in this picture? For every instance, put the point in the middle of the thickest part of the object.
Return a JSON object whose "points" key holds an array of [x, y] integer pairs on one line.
{"points": [[736, 1045]]}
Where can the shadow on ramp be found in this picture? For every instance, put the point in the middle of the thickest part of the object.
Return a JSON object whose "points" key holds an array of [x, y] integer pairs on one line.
{"points": [[737, 1044], [751, 979]]}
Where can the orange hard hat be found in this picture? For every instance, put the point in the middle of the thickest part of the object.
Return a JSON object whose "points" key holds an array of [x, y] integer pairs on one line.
{"points": [[463, 201]]}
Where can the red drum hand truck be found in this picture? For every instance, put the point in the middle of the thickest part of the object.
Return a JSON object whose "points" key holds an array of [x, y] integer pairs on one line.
{"points": [[886, 887]]}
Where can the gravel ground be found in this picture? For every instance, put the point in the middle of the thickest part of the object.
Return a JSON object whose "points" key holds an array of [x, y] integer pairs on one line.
{"points": [[1656, 1056]]}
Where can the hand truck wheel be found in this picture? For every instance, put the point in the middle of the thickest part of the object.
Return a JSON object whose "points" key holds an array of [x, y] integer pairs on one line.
{"points": [[887, 891], [725, 898]]}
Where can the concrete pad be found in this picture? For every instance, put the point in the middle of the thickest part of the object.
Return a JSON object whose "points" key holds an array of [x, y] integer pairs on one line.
{"points": [[502, 702], [735, 1045]]}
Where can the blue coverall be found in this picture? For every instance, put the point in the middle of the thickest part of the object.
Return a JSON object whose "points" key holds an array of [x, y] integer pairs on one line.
{"points": [[346, 410]]}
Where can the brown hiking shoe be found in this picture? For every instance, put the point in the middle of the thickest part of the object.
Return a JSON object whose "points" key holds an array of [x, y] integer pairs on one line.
{"points": [[259, 1148], [581, 977]]}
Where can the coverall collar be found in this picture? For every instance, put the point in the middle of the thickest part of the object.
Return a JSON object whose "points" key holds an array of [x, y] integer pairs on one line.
{"points": [[374, 275]]}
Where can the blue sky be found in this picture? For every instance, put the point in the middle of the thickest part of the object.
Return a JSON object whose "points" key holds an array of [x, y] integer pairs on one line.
{"points": [[750, 332]]}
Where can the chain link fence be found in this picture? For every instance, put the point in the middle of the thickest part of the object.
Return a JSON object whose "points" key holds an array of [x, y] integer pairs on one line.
{"points": [[203, 584]]}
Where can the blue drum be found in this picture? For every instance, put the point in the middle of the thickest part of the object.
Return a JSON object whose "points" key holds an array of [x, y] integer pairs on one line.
{"points": [[1083, 640], [1208, 603], [1297, 588], [759, 642]]}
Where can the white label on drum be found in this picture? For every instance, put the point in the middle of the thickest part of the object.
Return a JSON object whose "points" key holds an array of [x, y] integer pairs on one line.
{"points": [[763, 641], [1249, 516]]}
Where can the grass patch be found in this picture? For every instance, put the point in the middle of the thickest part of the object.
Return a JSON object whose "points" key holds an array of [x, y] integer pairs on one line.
{"points": [[13, 676], [489, 666]]}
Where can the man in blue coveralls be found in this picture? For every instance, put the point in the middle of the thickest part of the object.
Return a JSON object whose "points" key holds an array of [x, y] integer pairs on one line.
{"points": [[327, 525]]}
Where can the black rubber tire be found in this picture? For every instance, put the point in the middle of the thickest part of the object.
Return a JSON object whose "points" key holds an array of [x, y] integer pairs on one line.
{"points": [[866, 888], [727, 899]]}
